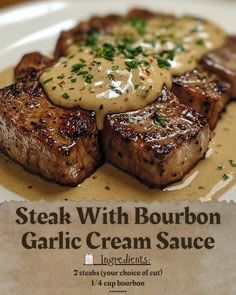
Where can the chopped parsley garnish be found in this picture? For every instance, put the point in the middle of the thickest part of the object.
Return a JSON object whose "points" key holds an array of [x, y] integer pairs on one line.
{"points": [[60, 77], [220, 168], [159, 120], [73, 80], [128, 51], [82, 73], [110, 76], [225, 176], [107, 51], [163, 63], [232, 164], [88, 78], [131, 120], [77, 67], [200, 42], [139, 24], [134, 63], [116, 90], [179, 47], [65, 95], [127, 39], [114, 68], [137, 87], [90, 41], [96, 62], [201, 187], [101, 107], [168, 54], [47, 81]]}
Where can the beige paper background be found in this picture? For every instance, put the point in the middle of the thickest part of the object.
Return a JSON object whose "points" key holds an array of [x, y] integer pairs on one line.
{"points": [[195, 272]]}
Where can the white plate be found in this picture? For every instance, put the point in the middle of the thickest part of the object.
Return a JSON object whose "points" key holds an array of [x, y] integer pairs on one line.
{"points": [[36, 26]]}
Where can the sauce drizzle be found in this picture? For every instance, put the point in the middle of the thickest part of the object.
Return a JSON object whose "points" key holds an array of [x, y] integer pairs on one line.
{"points": [[125, 69]]}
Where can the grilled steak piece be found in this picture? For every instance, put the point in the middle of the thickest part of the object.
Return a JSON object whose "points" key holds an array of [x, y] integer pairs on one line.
{"points": [[147, 14], [59, 144], [32, 64], [203, 91], [83, 29], [223, 62], [98, 24], [158, 144]]}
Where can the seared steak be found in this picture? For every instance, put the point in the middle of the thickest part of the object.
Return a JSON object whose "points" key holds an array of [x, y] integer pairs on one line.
{"points": [[57, 143], [157, 144], [223, 62], [98, 24], [32, 64], [203, 91], [83, 29]]}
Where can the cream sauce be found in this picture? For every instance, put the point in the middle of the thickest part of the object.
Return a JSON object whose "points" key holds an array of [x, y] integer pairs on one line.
{"points": [[126, 69], [109, 183]]}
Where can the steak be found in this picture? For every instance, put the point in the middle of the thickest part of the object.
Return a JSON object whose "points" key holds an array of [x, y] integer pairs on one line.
{"points": [[83, 29], [59, 144], [98, 24], [223, 62], [157, 144], [32, 64], [203, 91]]}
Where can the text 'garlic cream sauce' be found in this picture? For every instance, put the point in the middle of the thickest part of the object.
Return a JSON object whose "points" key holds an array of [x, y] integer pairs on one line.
{"points": [[126, 69]]}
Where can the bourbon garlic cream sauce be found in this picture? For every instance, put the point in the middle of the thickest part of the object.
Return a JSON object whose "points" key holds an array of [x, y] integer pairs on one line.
{"points": [[125, 69]]}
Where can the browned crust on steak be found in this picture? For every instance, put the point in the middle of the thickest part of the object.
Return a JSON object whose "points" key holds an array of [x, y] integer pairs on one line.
{"points": [[156, 154], [147, 14], [223, 62], [83, 29], [205, 92], [31, 64], [98, 24], [59, 144]]}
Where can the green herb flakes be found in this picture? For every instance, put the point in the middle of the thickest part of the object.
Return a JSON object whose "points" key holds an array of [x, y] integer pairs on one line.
{"points": [[88, 78], [163, 63], [65, 95], [225, 176], [116, 90], [47, 81], [200, 42], [114, 68], [232, 164], [139, 24], [159, 120], [77, 67], [61, 77], [131, 120]]}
